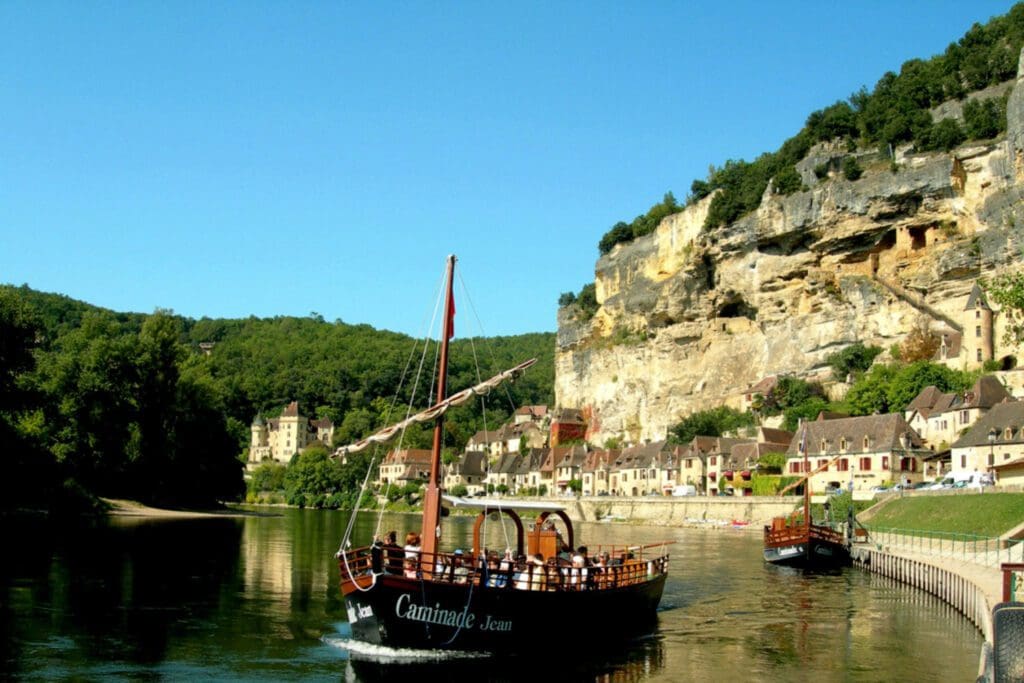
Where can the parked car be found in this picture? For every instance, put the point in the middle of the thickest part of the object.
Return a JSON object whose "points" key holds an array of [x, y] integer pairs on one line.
{"points": [[684, 490]]}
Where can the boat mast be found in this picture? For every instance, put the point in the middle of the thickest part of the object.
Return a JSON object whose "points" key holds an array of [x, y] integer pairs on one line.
{"points": [[430, 532], [807, 483]]}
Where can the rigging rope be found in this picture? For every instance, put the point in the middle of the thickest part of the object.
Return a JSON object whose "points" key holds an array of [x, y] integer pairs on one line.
{"points": [[436, 410]]}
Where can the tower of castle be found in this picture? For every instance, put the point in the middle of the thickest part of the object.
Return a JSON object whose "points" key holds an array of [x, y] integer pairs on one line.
{"points": [[977, 321]]}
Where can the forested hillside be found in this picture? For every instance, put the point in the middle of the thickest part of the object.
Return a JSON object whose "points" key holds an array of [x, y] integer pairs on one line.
{"points": [[125, 404]]}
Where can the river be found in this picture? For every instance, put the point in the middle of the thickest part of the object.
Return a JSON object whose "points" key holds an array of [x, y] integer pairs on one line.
{"points": [[256, 598]]}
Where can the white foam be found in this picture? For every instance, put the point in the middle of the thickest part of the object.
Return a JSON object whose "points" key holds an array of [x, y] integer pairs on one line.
{"points": [[389, 655]]}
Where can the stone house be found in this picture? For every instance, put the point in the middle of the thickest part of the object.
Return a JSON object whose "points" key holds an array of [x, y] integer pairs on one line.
{"points": [[489, 441], [869, 451], [529, 473], [597, 471], [943, 417], [567, 425], [469, 470], [402, 466], [635, 471], [568, 465], [995, 439], [503, 471], [721, 467], [280, 438]]}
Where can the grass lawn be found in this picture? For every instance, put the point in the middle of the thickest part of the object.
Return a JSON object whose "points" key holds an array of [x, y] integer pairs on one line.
{"points": [[985, 514]]}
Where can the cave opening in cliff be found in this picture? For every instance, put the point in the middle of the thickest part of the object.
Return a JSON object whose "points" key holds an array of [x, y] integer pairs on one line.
{"points": [[737, 309], [918, 237], [709, 271], [886, 241]]}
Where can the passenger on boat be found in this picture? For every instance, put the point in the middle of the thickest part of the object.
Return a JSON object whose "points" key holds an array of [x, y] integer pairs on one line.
{"points": [[460, 574], [411, 571], [601, 571], [412, 545], [521, 576], [392, 552], [377, 556], [538, 573], [578, 573]]}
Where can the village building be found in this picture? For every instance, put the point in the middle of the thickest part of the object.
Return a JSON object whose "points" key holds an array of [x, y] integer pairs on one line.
{"points": [[995, 440], [635, 471], [399, 467], [720, 465], [869, 451], [597, 472], [502, 473], [568, 466], [940, 418], [280, 438], [529, 474], [487, 441], [536, 414], [568, 425], [469, 470]]}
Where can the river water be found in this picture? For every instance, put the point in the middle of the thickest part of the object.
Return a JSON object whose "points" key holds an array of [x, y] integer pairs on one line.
{"points": [[256, 598]]}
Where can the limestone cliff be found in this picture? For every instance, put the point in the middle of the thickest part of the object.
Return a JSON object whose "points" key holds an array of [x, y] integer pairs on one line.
{"points": [[690, 318]]}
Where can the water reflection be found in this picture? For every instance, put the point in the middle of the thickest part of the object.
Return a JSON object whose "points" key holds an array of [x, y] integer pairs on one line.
{"points": [[257, 598], [631, 662]]}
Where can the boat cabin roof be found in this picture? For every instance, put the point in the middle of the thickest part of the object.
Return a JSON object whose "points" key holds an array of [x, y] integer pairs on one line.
{"points": [[502, 503]]}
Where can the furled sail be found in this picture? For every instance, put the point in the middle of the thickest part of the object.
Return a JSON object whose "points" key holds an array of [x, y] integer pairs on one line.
{"points": [[437, 409]]}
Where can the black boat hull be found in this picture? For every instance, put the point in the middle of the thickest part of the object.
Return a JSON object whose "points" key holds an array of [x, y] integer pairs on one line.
{"points": [[397, 612], [809, 554]]}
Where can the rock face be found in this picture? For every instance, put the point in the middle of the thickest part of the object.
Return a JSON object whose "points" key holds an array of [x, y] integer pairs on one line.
{"points": [[690, 318]]}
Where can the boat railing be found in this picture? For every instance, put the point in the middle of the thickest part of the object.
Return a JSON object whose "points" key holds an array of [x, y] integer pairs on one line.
{"points": [[633, 565]]}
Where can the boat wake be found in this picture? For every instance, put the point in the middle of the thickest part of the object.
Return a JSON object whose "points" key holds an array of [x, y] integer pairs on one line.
{"points": [[361, 651]]}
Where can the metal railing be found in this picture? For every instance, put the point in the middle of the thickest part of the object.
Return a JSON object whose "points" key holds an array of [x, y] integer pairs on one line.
{"points": [[987, 551]]}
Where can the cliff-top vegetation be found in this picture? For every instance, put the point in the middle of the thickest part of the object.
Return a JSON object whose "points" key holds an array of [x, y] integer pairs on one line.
{"points": [[896, 111]]}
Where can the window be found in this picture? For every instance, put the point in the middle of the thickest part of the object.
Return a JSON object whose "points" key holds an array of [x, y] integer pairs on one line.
{"points": [[712, 461], [865, 464], [991, 459], [964, 416], [963, 462], [824, 446], [794, 467], [842, 444], [979, 354], [654, 474], [844, 465], [885, 462], [865, 443], [822, 462], [977, 330]]}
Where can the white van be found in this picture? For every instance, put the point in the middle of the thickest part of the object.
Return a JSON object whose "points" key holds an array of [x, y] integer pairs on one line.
{"points": [[955, 480], [684, 490]]}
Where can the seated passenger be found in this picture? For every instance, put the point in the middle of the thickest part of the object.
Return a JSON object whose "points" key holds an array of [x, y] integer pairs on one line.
{"points": [[460, 574]]}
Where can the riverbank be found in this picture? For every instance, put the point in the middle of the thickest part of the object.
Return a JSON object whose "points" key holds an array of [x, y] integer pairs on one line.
{"points": [[130, 508]]}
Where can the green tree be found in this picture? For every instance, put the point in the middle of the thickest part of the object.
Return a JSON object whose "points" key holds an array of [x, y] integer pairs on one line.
{"points": [[713, 422], [855, 358], [852, 169], [1007, 290]]}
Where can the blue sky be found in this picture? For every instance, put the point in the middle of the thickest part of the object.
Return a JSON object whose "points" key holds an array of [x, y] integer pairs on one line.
{"points": [[278, 158]]}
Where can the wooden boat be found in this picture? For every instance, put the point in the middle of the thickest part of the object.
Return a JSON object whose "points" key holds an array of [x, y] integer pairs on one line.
{"points": [[460, 601], [799, 542]]}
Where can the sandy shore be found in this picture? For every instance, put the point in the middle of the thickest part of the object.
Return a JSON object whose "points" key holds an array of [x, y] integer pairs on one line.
{"points": [[131, 508]]}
